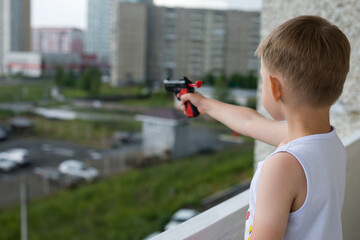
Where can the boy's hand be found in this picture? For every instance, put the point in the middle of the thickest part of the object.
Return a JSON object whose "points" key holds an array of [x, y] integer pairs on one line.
{"points": [[195, 98]]}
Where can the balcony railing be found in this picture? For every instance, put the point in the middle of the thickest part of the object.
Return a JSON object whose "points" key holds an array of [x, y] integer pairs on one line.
{"points": [[227, 220]]}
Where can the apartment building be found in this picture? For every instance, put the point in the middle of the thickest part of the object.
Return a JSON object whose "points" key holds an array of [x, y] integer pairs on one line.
{"points": [[130, 53], [14, 28], [102, 24], [57, 40], [154, 43], [98, 20]]}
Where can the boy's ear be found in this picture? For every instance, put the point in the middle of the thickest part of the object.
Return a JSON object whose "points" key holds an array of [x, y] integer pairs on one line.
{"points": [[275, 87]]}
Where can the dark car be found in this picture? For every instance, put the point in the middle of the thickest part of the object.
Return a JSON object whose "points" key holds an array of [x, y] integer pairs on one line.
{"points": [[4, 131]]}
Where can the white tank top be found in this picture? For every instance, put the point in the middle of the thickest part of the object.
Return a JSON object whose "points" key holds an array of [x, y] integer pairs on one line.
{"points": [[323, 159]]}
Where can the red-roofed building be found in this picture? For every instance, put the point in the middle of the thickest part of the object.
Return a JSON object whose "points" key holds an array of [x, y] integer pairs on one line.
{"points": [[57, 40]]}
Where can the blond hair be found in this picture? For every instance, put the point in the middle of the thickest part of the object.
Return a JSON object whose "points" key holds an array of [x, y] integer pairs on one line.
{"points": [[313, 57]]}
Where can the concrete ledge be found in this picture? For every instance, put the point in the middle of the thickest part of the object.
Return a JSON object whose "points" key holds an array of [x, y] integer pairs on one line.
{"points": [[351, 209], [225, 221]]}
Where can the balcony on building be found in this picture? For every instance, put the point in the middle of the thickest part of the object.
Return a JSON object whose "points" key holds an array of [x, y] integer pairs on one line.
{"points": [[226, 221]]}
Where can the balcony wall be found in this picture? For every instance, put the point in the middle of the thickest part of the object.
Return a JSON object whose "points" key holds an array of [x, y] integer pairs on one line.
{"points": [[227, 220], [351, 209]]}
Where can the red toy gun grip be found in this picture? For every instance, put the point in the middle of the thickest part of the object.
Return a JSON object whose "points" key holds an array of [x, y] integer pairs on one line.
{"points": [[191, 110]]}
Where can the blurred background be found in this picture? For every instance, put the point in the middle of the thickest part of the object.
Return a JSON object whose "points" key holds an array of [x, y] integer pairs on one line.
{"points": [[91, 145]]}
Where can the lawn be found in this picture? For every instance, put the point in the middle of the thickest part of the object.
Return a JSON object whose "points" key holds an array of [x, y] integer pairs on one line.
{"points": [[105, 90], [38, 90], [134, 204], [24, 92], [86, 132], [89, 133]]}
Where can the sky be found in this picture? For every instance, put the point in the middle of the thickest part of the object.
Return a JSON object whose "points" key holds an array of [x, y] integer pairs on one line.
{"points": [[72, 13]]}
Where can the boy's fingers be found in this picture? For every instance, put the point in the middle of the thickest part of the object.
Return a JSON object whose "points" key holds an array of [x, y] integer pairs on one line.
{"points": [[186, 97]]}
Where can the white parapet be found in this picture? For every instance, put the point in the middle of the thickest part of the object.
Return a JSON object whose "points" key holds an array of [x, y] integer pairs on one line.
{"points": [[225, 221]]}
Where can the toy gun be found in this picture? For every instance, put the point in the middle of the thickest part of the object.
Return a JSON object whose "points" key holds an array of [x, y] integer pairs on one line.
{"points": [[183, 86]]}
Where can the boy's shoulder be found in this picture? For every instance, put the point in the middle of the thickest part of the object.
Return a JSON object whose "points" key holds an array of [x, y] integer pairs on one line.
{"points": [[283, 172]]}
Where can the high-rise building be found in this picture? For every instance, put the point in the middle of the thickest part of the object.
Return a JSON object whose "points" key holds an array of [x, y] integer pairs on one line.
{"points": [[14, 28], [98, 30], [57, 40], [131, 43], [154, 43], [102, 18]]}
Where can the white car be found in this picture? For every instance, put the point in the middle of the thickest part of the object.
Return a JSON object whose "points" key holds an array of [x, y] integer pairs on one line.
{"points": [[180, 216], [78, 168], [18, 155], [6, 165]]}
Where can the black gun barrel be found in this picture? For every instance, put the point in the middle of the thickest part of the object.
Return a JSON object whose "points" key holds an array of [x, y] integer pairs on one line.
{"points": [[175, 85]]}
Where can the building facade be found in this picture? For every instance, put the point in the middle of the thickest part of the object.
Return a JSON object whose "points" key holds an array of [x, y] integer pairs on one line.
{"points": [[14, 28], [173, 42], [98, 30], [102, 24], [131, 43], [57, 40]]}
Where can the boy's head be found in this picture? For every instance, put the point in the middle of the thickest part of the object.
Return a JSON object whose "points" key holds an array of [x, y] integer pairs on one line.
{"points": [[311, 55]]}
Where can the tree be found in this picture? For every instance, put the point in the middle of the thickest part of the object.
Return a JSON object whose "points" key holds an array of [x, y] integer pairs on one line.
{"points": [[222, 90], [209, 79], [237, 80], [59, 74], [69, 79], [90, 81], [248, 81], [251, 80], [95, 81]]}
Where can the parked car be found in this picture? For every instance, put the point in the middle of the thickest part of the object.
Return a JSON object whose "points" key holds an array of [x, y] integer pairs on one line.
{"points": [[79, 169], [180, 216], [95, 155], [6, 165], [18, 155], [54, 176], [5, 131], [121, 138], [3, 134]]}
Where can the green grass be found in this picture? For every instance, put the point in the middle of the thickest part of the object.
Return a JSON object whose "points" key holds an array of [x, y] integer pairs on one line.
{"points": [[25, 92], [105, 90], [85, 132], [134, 204], [89, 133], [161, 99], [5, 114], [41, 90]]}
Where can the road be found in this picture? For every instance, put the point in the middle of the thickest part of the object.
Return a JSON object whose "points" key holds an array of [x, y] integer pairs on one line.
{"points": [[50, 153]]}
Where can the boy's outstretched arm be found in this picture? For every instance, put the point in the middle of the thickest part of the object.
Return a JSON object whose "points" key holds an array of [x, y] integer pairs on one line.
{"points": [[243, 120]]}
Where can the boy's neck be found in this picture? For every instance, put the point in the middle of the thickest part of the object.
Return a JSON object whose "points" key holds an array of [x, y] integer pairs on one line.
{"points": [[307, 121]]}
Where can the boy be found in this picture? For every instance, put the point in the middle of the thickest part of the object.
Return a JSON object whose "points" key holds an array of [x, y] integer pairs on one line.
{"points": [[298, 191]]}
